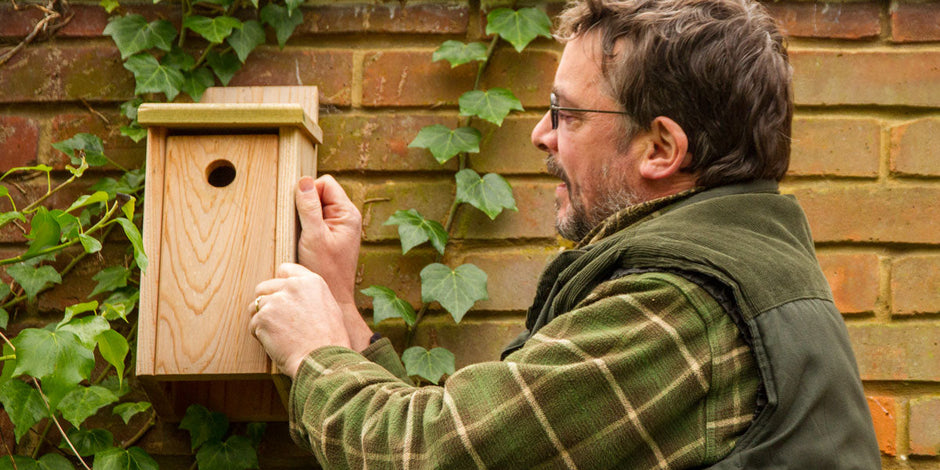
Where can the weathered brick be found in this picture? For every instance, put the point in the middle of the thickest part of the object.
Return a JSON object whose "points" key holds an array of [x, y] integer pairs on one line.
{"points": [[915, 284], [915, 21], [508, 149], [853, 278], [925, 426], [884, 414], [410, 78], [330, 70], [88, 20], [534, 219], [58, 73], [528, 75], [849, 77], [835, 146], [902, 351], [871, 213], [429, 197], [19, 141], [387, 267], [827, 20], [512, 275], [120, 149], [437, 18], [913, 148]]}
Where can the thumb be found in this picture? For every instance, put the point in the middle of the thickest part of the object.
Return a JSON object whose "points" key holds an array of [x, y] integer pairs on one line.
{"points": [[308, 204]]}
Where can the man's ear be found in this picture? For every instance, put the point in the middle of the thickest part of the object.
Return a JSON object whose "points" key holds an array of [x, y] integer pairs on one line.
{"points": [[668, 150]]}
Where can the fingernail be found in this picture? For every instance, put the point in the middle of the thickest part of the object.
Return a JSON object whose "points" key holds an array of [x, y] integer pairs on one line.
{"points": [[306, 184]]}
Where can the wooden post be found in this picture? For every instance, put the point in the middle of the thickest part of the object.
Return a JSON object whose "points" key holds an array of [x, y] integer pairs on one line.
{"points": [[219, 218]]}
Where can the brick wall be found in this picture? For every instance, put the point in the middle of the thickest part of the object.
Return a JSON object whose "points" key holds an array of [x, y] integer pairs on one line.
{"points": [[864, 166]]}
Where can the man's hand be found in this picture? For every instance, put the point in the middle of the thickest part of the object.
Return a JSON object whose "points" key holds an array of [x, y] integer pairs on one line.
{"points": [[294, 314]]}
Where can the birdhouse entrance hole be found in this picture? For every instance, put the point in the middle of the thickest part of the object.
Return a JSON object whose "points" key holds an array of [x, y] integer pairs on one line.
{"points": [[220, 173]]}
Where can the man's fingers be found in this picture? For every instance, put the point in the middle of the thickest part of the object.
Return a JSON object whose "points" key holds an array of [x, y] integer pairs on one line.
{"points": [[286, 270], [307, 200], [335, 202]]}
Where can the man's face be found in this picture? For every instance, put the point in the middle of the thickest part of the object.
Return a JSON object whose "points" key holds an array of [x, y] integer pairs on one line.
{"points": [[585, 151]]}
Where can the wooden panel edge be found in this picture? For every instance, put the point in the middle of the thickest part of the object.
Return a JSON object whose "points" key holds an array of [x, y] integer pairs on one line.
{"points": [[150, 279]]}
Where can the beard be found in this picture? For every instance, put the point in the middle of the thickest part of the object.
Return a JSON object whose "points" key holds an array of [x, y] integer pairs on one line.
{"points": [[613, 196]]}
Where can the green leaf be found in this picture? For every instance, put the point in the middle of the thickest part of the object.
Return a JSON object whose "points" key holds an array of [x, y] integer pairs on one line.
{"points": [[4, 317], [225, 65], [215, 30], [132, 34], [110, 279], [385, 305], [133, 234], [83, 143], [7, 217], [86, 328], [88, 199], [458, 53], [444, 143], [281, 19], [89, 243], [178, 59], [204, 425], [69, 225], [236, 453], [255, 432], [33, 279], [491, 193], [129, 108], [80, 170], [120, 304], [128, 410], [44, 232], [196, 82], [72, 310], [88, 442], [128, 208], [519, 27], [491, 105], [50, 461], [113, 348], [456, 290], [109, 5], [245, 40], [152, 77], [23, 405], [413, 230], [293, 4], [111, 383], [117, 458], [134, 132], [82, 402], [429, 365]]}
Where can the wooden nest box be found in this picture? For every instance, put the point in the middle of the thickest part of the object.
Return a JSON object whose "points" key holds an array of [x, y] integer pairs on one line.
{"points": [[219, 218]]}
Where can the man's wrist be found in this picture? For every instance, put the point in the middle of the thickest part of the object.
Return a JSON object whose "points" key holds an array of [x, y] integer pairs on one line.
{"points": [[359, 333]]}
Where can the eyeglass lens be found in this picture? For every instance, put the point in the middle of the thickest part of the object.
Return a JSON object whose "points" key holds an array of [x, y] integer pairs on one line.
{"points": [[553, 110]]}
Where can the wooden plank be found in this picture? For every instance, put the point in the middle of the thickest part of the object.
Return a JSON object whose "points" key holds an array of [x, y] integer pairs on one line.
{"points": [[306, 96], [218, 244], [228, 116], [150, 278]]}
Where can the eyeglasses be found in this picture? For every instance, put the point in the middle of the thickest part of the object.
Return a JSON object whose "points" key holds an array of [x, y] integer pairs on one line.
{"points": [[554, 108]]}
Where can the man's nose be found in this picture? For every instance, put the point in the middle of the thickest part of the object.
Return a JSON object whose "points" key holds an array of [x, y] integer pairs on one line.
{"points": [[543, 136]]}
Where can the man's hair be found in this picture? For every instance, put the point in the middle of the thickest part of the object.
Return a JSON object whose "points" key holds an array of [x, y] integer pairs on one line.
{"points": [[718, 68]]}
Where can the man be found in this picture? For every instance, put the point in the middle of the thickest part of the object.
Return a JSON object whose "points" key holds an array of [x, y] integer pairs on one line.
{"points": [[691, 327]]}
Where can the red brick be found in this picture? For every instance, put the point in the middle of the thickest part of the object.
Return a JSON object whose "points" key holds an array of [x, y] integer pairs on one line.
{"points": [[118, 148], [853, 279], [915, 22], [88, 20], [390, 18], [59, 73], [849, 77], [884, 414], [827, 20], [534, 219], [871, 213], [915, 284], [19, 141], [913, 148], [835, 146], [430, 197], [410, 78], [925, 426], [528, 75], [896, 351], [512, 275], [330, 70], [508, 149]]}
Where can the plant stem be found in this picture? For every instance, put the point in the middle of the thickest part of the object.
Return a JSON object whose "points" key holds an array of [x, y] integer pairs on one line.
{"points": [[143, 430], [58, 425], [42, 437]]}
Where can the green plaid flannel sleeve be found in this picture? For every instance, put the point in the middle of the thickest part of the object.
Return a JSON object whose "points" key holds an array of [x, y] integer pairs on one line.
{"points": [[647, 373]]}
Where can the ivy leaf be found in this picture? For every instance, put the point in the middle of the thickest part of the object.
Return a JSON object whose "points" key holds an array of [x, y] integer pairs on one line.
{"points": [[224, 65], [128, 410], [132, 34], [445, 143], [109, 5], [23, 405], [89, 243], [33, 279], [88, 442], [4, 316], [236, 453], [255, 432], [385, 305], [50, 461], [133, 234], [72, 310], [111, 383], [113, 348], [246, 39], [281, 19], [134, 132], [491, 105], [69, 225], [129, 108], [519, 27], [458, 53], [82, 402], [152, 77], [413, 230], [117, 458], [87, 329], [491, 193], [120, 304], [178, 59], [88, 199], [215, 30], [89, 144], [44, 232], [430, 365], [6, 217], [204, 425], [196, 82], [110, 279], [128, 208], [456, 290]]}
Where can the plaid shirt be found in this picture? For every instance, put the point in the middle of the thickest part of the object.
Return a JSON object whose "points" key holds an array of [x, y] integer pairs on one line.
{"points": [[647, 372]]}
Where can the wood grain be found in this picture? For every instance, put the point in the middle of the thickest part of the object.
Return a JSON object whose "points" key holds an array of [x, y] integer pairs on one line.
{"points": [[152, 228]]}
